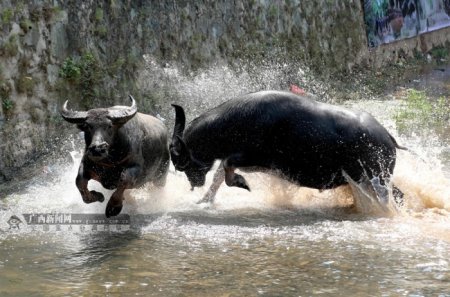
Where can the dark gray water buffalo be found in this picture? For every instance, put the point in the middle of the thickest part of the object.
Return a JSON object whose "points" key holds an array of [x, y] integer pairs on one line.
{"points": [[124, 149], [309, 143]]}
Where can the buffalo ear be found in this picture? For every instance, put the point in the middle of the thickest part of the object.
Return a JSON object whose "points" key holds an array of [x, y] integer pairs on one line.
{"points": [[179, 153]]}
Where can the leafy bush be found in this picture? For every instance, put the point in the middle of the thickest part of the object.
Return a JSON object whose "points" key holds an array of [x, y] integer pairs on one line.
{"points": [[84, 74], [440, 53], [420, 113], [70, 70], [7, 104]]}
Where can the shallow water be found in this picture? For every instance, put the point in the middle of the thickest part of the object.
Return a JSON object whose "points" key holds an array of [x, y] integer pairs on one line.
{"points": [[246, 254], [278, 240]]}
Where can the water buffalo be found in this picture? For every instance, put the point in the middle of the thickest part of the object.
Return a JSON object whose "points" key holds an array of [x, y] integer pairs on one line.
{"points": [[309, 143], [124, 149]]}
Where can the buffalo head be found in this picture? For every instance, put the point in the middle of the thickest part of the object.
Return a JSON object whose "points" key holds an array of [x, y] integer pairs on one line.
{"points": [[100, 126], [181, 155]]}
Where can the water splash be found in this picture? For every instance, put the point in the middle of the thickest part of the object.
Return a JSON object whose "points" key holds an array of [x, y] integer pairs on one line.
{"points": [[424, 183], [198, 92], [425, 186]]}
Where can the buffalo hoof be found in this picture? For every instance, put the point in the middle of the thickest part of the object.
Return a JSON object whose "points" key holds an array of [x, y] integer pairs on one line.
{"points": [[206, 199], [94, 197], [240, 182], [112, 210]]}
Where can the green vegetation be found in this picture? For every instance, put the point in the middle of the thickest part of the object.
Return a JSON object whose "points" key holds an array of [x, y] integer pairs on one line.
{"points": [[98, 14], [90, 78], [79, 70], [5, 93], [272, 12], [26, 25], [10, 48], [7, 104], [100, 29], [70, 70], [420, 114], [83, 75], [92, 83], [7, 15], [439, 53]]}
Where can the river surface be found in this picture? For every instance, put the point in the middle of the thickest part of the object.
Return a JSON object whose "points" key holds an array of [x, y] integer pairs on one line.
{"points": [[278, 240]]}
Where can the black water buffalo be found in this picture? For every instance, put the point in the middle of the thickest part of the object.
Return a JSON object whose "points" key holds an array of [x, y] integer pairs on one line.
{"points": [[124, 149], [309, 143]]}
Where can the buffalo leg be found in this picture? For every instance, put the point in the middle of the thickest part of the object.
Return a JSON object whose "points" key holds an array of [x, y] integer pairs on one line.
{"points": [[233, 179], [219, 177], [161, 177], [398, 195], [127, 180], [82, 185]]}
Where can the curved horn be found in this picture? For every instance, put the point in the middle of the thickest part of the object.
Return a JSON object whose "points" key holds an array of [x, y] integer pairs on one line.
{"points": [[180, 122], [74, 117], [122, 115]]}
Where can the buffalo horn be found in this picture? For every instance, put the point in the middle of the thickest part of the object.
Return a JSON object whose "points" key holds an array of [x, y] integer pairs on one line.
{"points": [[180, 122], [123, 114], [74, 117]]}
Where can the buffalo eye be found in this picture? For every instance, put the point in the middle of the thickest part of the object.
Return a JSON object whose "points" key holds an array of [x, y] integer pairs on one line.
{"points": [[83, 126]]}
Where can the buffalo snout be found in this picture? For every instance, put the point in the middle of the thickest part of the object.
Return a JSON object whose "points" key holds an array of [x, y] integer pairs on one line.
{"points": [[196, 176], [98, 150], [196, 181]]}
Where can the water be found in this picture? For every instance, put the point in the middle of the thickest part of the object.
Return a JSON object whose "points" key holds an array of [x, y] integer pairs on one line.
{"points": [[278, 240]]}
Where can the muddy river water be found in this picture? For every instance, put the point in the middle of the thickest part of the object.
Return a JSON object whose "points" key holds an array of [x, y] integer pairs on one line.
{"points": [[278, 240]]}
